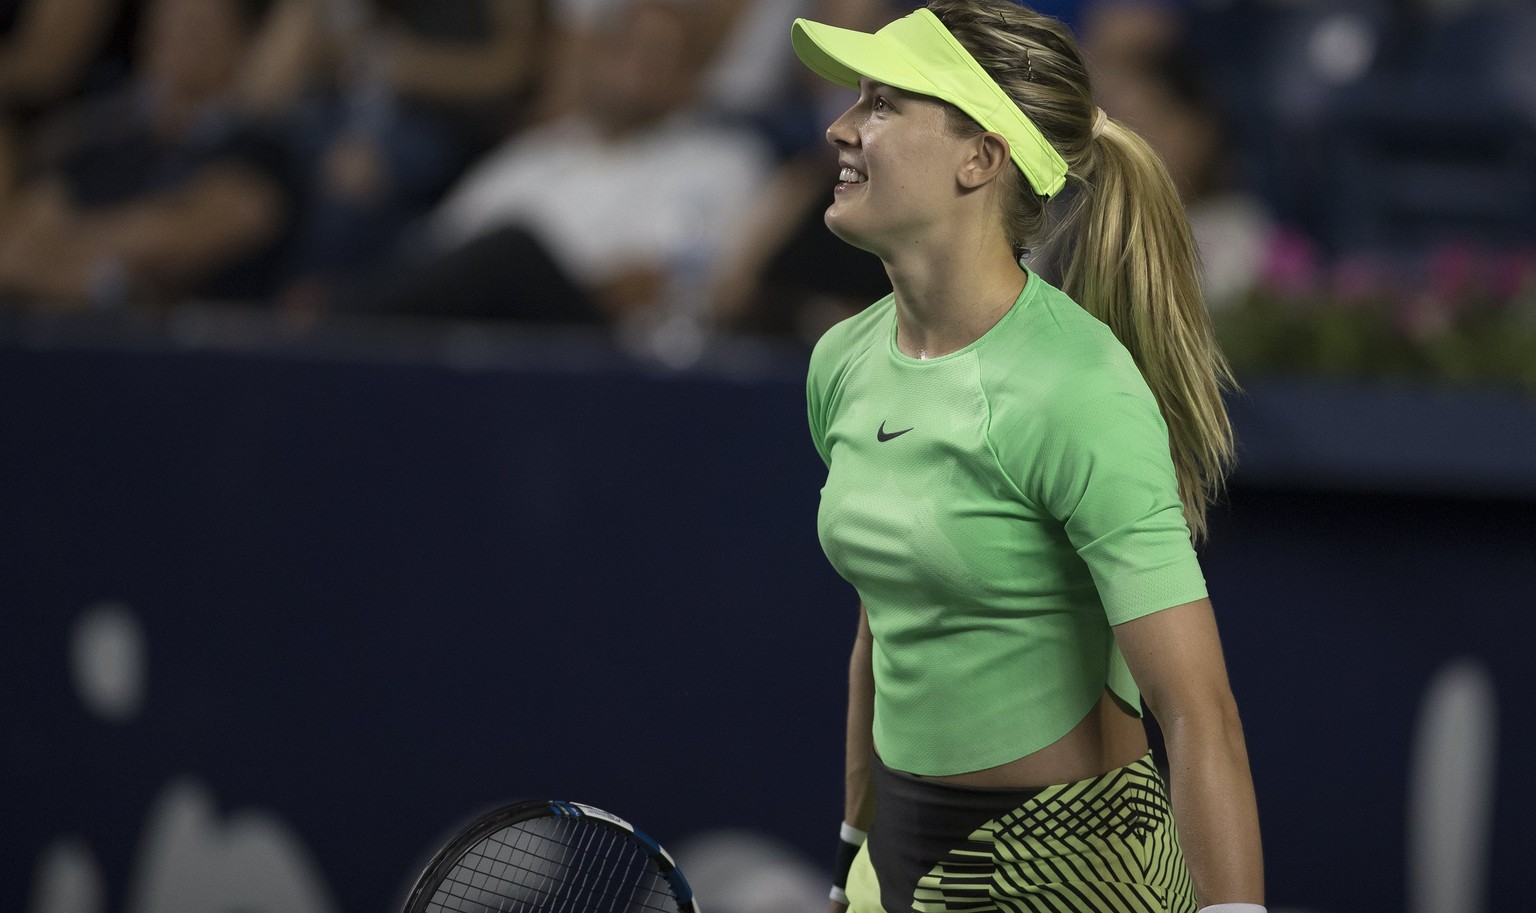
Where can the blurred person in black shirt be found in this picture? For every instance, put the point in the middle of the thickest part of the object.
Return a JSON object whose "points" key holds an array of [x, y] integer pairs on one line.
{"points": [[50, 49], [385, 102], [52, 52], [157, 190]]}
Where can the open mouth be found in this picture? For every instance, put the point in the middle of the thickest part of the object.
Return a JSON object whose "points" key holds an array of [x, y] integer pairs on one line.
{"points": [[849, 176]]}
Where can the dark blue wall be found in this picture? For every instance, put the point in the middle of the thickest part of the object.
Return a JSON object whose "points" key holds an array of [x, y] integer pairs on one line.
{"points": [[380, 593]]}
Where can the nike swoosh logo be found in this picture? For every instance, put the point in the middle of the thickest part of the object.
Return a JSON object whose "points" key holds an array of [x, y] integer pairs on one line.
{"points": [[894, 434]]}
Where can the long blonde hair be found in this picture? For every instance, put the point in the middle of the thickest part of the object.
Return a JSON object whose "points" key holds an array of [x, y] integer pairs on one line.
{"points": [[1121, 240]]}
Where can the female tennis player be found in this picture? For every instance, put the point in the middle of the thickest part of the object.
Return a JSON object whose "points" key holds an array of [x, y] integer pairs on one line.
{"points": [[1015, 477]]}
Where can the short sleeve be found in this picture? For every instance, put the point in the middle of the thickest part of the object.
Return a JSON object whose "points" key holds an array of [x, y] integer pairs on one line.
{"points": [[817, 387], [1106, 473]]}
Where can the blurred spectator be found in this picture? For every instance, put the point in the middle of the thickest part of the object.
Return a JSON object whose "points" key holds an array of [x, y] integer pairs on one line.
{"points": [[751, 75], [1121, 36], [160, 189], [1123, 42], [49, 48], [603, 214], [1233, 227], [1147, 75], [578, 39], [387, 101]]}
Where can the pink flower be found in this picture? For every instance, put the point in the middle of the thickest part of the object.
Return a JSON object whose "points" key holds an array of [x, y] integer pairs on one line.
{"points": [[1291, 266], [1514, 274], [1359, 279], [1455, 271]]}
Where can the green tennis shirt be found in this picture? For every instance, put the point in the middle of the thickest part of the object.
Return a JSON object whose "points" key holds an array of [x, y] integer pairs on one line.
{"points": [[998, 509]]}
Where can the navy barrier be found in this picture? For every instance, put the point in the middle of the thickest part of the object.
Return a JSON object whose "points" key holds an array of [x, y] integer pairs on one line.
{"points": [[278, 617]]}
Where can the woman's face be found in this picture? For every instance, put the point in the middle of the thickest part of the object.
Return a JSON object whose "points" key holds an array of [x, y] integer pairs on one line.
{"points": [[898, 164]]}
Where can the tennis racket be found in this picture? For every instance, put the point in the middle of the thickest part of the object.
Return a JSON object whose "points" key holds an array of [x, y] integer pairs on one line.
{"points": [[551, 857]]}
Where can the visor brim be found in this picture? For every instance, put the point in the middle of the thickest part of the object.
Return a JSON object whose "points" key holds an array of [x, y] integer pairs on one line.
{"points": [[842, 56]]}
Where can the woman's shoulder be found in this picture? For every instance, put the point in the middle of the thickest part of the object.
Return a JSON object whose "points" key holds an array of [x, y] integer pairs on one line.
{"points": [[1061, 354], [1054, 317], [852, 335]]}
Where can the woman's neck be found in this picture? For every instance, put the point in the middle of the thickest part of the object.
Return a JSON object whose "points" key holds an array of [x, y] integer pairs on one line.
{"points": [[947, 301]]}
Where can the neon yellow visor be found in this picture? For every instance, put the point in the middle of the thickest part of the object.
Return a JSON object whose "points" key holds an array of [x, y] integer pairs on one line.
{"points": [[916, 53]]}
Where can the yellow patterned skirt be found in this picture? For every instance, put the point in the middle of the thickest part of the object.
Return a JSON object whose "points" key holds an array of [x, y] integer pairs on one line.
{"points": [[1102, 845]]}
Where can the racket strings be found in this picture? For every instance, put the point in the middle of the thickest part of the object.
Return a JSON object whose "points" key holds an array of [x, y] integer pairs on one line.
{"points": [[554, 865]]}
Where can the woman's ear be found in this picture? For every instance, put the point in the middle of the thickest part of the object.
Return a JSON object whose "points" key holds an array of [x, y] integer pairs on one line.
{"points": [[989, 156]]}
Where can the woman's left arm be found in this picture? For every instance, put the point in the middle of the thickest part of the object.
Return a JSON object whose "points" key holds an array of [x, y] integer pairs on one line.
{"points": [[1175, 657]]}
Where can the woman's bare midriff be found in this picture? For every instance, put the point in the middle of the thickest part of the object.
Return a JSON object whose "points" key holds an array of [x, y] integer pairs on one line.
{"points": [[1108, 737]]}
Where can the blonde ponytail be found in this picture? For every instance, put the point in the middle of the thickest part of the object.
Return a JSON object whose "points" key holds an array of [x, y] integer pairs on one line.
{"points": [[1128, 257], [1122, 243]]}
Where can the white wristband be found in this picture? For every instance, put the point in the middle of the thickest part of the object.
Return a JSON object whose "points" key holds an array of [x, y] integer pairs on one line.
{"points": [[838, 896], [851, 834], [1233, 908]]}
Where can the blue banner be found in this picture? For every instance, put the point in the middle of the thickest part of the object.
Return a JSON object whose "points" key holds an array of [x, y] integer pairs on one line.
{"points": [[278, 620]]}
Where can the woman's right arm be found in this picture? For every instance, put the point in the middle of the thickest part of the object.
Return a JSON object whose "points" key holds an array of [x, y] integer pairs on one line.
{"points": [[859, 796]]}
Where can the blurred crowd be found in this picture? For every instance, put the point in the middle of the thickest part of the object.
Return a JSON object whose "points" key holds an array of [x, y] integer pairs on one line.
{"points": [[658, 166]]}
